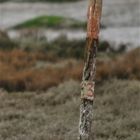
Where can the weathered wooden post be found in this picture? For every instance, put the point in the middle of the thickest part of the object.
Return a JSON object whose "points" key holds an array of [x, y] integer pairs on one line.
{"points": [[88, 80]]}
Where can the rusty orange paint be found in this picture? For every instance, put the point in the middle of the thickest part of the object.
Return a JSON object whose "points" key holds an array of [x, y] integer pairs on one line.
{"points": [[94, 15]]}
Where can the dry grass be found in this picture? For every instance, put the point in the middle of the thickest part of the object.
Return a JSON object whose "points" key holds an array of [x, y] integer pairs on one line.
{"points": [[55, 114], [126, 66], [21, 70]]}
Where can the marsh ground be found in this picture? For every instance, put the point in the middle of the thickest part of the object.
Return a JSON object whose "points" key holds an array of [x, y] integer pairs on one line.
{"points": [[54, 114], [40, 100], [40, 79]]}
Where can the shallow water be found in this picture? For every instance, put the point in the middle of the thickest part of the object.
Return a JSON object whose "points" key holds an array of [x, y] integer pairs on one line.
{"points": [[115, 36], [121, 17], [115, 12]]}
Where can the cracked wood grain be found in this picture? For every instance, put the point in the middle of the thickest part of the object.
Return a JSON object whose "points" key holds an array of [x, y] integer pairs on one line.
{"points": [[89, 71]]}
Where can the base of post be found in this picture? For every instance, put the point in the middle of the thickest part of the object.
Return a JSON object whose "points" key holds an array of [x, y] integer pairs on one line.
{"points": [[86, 117]]}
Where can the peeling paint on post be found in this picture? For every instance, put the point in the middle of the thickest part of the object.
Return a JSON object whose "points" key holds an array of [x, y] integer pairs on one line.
{"points": [[88, 80]]}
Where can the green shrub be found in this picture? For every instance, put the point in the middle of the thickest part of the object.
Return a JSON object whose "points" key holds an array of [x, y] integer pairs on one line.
{"points": [[54, 22]]}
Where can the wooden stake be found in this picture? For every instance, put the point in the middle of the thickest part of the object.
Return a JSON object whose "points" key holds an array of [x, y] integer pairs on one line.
{"points": [[88, 80]]}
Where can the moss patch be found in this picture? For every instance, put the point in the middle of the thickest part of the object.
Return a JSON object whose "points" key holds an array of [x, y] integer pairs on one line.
{"points": [[51, 22]]}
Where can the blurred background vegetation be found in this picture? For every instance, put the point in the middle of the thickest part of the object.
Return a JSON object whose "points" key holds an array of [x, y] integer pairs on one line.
{"points": [[39, 0], [41, 62]]}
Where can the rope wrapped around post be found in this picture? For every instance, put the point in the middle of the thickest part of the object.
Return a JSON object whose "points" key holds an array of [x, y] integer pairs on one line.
{"points": [[89, 71]]}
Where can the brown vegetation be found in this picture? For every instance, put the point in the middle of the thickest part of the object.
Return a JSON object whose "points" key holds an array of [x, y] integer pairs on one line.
{"points": [[126, 66], [19, 69]]}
